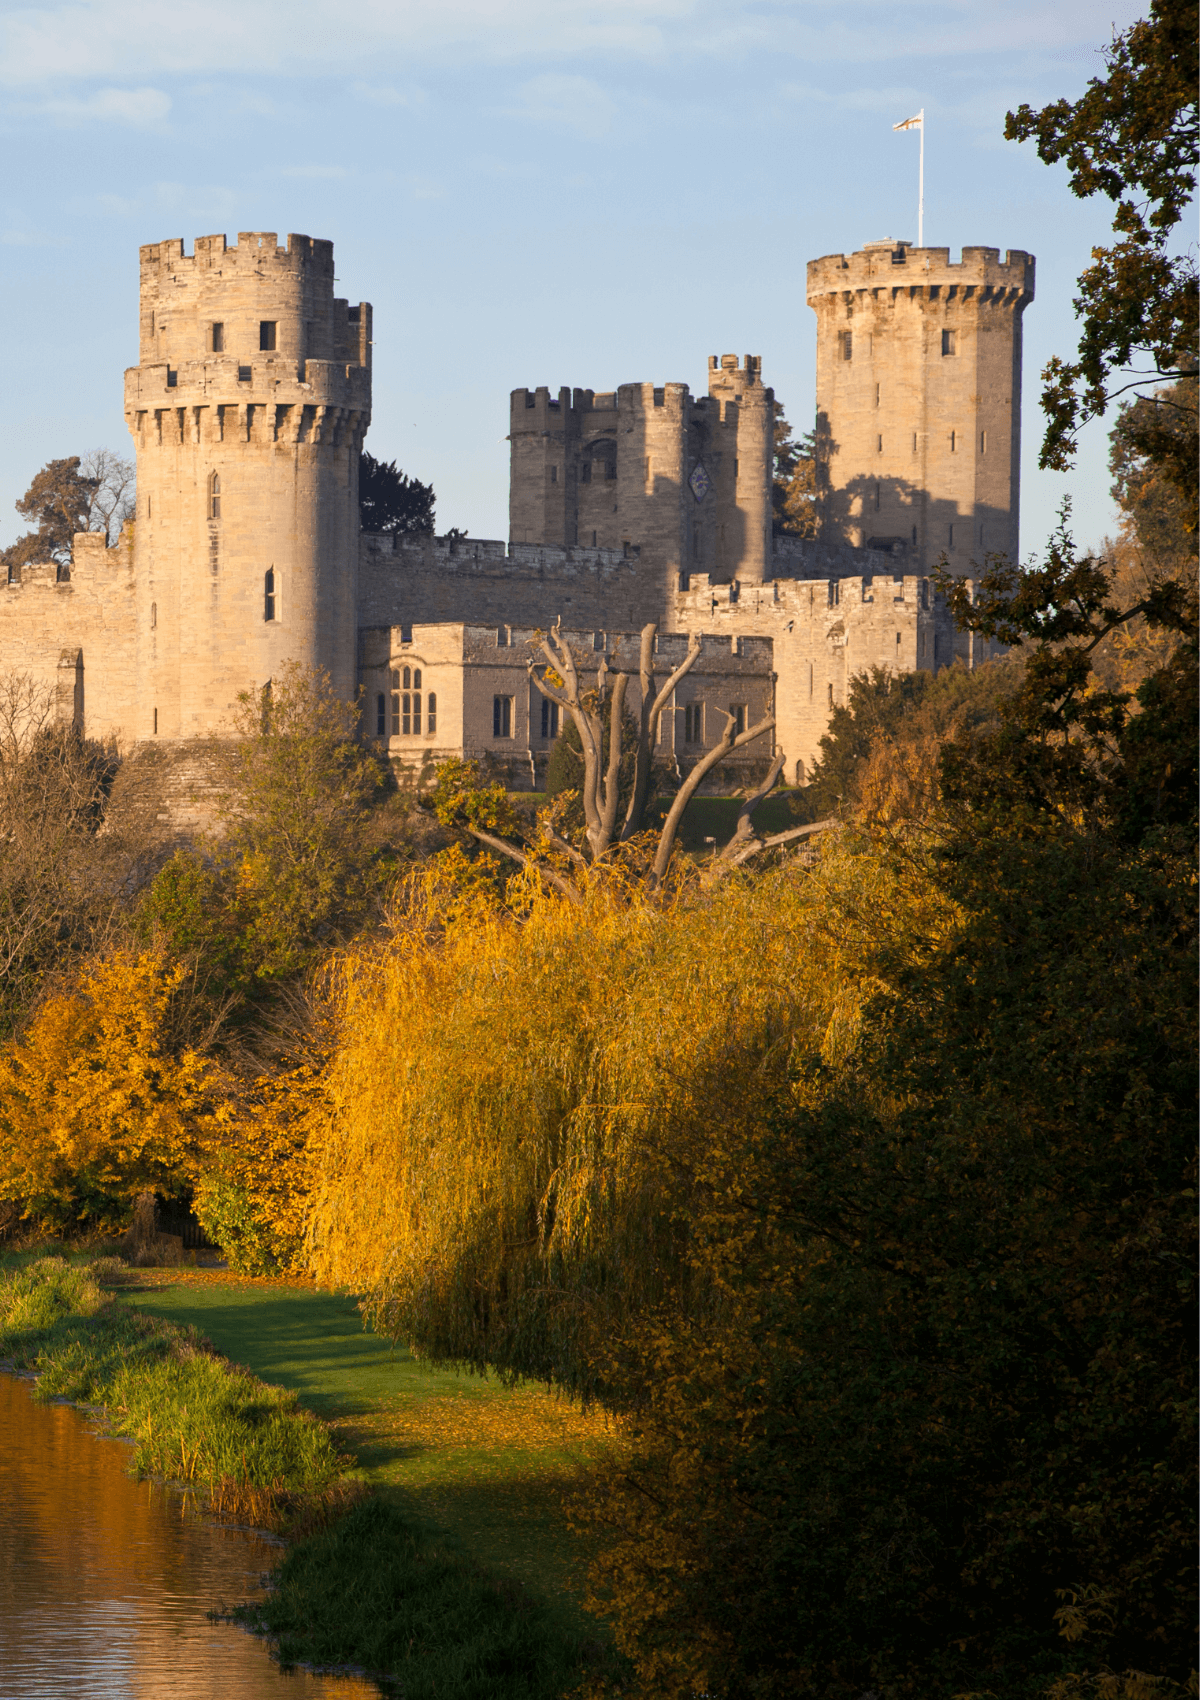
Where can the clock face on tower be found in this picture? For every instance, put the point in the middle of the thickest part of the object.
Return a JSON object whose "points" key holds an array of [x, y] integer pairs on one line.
{"points": [[699, 483]]}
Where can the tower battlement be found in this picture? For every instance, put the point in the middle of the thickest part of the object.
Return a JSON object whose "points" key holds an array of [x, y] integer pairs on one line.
{"points": [[898, 266]]}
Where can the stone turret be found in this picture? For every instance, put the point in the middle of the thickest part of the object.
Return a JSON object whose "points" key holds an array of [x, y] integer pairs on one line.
{"points": [[919, 399], [248, 411]]}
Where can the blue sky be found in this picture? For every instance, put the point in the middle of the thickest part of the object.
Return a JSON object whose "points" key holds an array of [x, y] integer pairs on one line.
{"points": [[585, 192]]}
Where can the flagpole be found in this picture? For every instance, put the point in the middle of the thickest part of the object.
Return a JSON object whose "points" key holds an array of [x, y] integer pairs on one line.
{"points": [[921, 188]]}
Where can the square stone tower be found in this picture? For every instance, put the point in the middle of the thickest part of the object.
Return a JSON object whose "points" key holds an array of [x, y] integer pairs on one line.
{"points": [[919, 399], [683, 480], [248, 409]]}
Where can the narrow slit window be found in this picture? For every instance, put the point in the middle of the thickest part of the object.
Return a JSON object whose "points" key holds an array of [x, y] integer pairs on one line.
{"points": [[879, 443], [954, 442], [876, 498], [877, 395], [153, 615], [949, 342], [218, 339], [829, 688], [214, 496], [266, 336], [738, 711], [416, 714], [269, 594], [693, 723], [381, 716], [983, 442], [952, 537], [431, 712], [554, 475], [406, 714], [847, 345]]}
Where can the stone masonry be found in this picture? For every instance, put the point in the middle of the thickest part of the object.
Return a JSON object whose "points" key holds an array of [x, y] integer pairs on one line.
{"points": [[248, 409]]}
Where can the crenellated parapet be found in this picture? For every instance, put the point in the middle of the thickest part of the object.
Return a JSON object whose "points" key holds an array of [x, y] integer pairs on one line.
{"points": [[897, 269]]}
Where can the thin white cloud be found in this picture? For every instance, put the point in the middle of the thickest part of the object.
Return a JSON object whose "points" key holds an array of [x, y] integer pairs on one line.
{"points": [[143, 108], [570, 103], [380, 95]]}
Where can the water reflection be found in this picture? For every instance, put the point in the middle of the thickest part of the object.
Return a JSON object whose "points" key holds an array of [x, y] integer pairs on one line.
{"points": [[105, 1581]]}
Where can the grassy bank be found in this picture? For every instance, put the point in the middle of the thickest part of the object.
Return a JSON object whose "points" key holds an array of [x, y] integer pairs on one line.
{"points": [[487, 1465], [369, 1581], [249, 1450]]}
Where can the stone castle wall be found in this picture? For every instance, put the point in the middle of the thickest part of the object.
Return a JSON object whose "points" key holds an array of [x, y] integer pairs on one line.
{"points": [[77, 637]]}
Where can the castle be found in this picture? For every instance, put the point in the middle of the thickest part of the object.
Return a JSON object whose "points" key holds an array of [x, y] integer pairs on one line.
{"points": [[248, 409]]}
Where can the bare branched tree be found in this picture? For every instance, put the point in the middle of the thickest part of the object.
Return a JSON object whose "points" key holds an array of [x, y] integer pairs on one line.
{"points": [[114, 500], [64, 885]]}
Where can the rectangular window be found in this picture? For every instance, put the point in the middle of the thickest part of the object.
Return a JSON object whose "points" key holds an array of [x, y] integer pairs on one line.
{"points": [[502, 717], [218, 339], [685, 580], [244, 374], [269, 594], [172, 378], [549, 718], [693, 723], [738, 711], [266, 336], [949, 342], [431, 713], [381, 716], [847, 345]]}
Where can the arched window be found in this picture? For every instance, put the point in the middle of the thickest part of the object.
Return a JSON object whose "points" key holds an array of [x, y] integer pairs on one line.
{"points": [[417, 712], [381, 716], [269, 594], [406, 711], [214, 496], [407, 681], [416, 678], [431, 713]]}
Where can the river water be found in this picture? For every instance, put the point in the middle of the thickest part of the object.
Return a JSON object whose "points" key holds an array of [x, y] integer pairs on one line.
{"points": [[105, 1581]]}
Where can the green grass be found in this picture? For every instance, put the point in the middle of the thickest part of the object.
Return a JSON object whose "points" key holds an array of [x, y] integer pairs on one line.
{"points": [[487, 1465], [249, 1449], [712, 817], [376, 1592], [380, 1584]]}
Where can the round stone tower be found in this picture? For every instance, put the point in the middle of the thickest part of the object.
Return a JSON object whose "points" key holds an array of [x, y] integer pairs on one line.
{"points": [[919, 399], [248, 410]]}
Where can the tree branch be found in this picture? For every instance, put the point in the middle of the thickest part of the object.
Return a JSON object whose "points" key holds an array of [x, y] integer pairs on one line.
{"points": [[691, 784], [526, 861]]}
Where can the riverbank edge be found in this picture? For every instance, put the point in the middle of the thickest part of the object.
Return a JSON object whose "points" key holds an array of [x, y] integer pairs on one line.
{"points": [[78, 1343]]}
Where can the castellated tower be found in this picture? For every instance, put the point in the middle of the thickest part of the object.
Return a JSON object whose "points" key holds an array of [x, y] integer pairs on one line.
{"points": [[683, 481], [248, 409], [919, 399]]}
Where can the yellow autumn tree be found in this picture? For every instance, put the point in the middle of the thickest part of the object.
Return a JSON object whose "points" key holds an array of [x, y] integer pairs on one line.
{"points": [[96, 1103]]}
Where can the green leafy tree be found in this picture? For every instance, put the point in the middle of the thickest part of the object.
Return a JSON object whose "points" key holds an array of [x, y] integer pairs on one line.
{"points": [[794, 487], [1132, 138], [93, 492], [300, 790], [389, 501]]}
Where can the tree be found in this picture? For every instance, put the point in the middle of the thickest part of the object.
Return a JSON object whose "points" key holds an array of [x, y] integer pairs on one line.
{"points": [[64, 884], [794, 489], [94, 492], [599, 717], [299, 790], [1132, 138], [388, 501]]}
